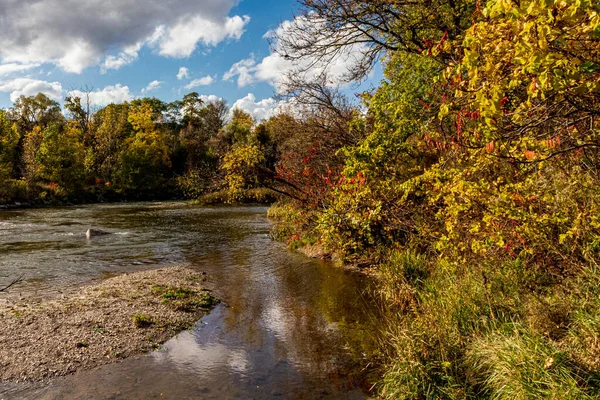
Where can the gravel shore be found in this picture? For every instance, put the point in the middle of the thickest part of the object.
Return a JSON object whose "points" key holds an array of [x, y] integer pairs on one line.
{"points": [[99, 324]]}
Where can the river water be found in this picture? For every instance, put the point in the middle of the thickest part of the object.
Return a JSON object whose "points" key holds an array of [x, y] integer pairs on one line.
{"points": [[290, 327]]}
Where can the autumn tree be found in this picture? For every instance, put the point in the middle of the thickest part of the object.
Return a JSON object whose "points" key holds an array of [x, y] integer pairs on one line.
{"points": [[30, 166], [111, 128], [145, 158], [39, 110], [60, 159], [80, 109], [9, 139]]}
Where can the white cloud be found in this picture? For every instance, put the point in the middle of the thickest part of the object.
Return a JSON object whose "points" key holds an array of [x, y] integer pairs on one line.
{"points": [[274, 69], [154, 85], [183, 73], [75, 34], [245, 70], [211, 98], [31, 87], [264, 109], [125, 57], [8, 69], [181, 40], [206, 81], [110, 94]]}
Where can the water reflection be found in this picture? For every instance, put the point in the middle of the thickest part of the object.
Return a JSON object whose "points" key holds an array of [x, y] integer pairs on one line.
{"points": [[290, 327]]}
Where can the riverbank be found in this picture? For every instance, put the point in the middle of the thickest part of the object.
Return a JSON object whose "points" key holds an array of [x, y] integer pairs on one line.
{"points": [[100, 324], [494, 327]]}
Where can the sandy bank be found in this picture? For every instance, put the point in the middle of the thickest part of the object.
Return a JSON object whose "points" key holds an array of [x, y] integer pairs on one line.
{"points": [[99, 324]]}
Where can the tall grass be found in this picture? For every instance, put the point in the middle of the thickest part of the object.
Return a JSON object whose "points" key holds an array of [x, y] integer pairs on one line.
{"points": [[522, 365], [488, 331]]}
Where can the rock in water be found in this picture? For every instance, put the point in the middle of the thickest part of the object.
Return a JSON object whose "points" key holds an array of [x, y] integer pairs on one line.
{"points": [[95, 232]]}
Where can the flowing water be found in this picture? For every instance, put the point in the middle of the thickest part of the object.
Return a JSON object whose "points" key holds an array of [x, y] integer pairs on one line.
{"points": [[290, 327]]}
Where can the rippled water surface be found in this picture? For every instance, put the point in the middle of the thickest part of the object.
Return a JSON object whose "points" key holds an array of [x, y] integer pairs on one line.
{"points": [[290, 327]]}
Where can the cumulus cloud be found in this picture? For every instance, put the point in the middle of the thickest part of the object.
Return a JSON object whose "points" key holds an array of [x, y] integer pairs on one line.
{"points": [[211, 98], [109, 33], [110, 94], [127, 56], [245, 70], [8, 69], [154, 85], [275, 68], [181, 40], [183, 73], [207, 80], [263, 109], [31, 87]]}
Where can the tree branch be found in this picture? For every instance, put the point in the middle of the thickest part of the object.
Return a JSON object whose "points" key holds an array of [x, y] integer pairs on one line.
{"points": [[19, 279]]}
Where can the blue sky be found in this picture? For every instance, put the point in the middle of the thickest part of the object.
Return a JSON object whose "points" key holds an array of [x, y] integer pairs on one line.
{"points": [[128, 48]]}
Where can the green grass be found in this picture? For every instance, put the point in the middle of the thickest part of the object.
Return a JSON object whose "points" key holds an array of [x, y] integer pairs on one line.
{"points": [[177, 294], [141, 320], [183, 299], [520, 365]]}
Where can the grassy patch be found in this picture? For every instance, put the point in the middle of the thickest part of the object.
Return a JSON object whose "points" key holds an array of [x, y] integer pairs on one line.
{"points": [[177, 294], [184, 299], [488, 331], [141, 320]]}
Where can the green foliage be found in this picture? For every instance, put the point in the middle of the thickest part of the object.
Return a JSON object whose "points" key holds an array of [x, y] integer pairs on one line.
{"points": [[240, 165], [9, 139], [10, 188], [177, 294], [370, 206], [141, 320], [184, 299], [30, 166], [111, 128], [145, 158], [60, 158]]}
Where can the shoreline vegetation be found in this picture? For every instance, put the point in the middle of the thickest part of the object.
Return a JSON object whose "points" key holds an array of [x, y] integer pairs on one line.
{"points": [[99, 324], [254, 196]]}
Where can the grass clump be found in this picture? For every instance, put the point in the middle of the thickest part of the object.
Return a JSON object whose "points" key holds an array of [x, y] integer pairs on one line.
{"points": [[520, 365], [141, 320], [184, 299], [205, 300], [177, 294]]}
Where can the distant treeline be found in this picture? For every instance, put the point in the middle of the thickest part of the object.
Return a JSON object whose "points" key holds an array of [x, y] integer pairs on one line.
{"points": [[143, 149]]}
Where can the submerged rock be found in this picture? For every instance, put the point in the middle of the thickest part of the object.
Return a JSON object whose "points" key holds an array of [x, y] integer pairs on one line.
{"points": [[95, 232]]}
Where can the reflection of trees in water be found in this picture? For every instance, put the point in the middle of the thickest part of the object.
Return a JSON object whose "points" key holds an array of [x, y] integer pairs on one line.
{"points": [[299, 310]]}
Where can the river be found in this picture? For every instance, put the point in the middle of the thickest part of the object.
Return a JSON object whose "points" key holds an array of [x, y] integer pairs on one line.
{"points": [[289, 326]]}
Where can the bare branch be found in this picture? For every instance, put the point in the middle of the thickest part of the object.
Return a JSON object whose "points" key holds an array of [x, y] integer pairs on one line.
{"points": [[19, 279]]}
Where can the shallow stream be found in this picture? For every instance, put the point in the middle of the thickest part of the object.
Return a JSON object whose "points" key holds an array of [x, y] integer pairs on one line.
{"points": [[290, 327]]}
